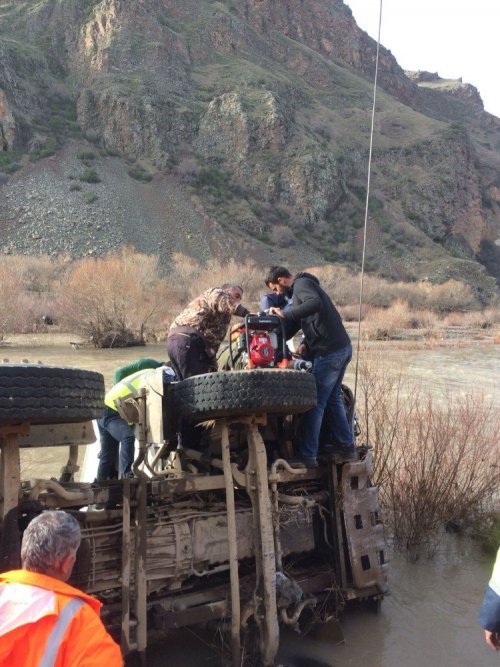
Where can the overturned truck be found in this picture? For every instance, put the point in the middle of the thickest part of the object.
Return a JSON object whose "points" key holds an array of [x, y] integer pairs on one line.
{"points": [[227, 533]]}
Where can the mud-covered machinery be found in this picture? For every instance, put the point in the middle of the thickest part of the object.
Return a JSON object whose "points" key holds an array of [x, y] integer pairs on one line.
{"points": [[231, 534]]}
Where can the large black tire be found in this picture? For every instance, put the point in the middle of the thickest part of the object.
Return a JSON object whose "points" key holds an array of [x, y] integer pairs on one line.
{"points": [[240, 393], [49, 394]]}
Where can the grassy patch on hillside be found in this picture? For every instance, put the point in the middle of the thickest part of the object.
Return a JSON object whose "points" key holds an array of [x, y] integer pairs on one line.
{"points": [[89, 197], [8, 164], [140, 174], [216, 183], [86, 156], [89, 176], [45, 149]]}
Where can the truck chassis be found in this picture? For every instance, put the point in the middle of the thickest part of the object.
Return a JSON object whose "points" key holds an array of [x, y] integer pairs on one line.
{"points": [[230, 534]]}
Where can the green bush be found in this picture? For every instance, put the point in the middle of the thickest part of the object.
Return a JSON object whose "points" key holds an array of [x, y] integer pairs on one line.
{"points": [[172, 162], [46, 150], [5, 159], [216, 183], [89, 197], [85, 156], [74, 130], [140, 174], [211, 177], [90, 176], [74, 186], [7, 164], [11, 168], [486, 200], [111, 152]]}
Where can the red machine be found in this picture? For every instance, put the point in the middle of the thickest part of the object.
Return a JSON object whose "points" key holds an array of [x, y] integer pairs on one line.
{"points": [[259, 342], [260, 350]]}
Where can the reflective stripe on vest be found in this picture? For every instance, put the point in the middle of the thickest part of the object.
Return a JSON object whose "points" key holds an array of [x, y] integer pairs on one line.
{"points": [[55, 637]]}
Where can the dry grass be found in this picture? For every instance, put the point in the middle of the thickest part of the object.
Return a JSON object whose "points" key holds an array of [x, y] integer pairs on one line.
{"points": [[383, 323], [36, 284], [190, 279], [435, 459], [483, 319], [344, 286]]}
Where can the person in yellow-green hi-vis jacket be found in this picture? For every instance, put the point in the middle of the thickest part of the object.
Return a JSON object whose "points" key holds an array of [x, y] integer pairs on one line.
{"points": [[116, 435]]}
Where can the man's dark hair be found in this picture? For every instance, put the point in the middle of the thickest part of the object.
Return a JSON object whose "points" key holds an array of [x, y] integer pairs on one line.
{"points": [[276, 272]]}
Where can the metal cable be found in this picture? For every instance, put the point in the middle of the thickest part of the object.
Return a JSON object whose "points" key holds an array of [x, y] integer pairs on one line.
{"points": [[366, 203]]}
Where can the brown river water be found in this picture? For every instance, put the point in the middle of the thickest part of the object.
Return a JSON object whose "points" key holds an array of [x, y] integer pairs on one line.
{"points": [[429, 619]]}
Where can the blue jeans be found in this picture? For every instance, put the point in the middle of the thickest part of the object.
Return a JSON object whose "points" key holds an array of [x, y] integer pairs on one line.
{"points": [[328, 372], [115, 434]]}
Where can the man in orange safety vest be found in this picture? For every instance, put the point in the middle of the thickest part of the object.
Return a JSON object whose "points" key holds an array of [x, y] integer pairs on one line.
{"points": [[45, 622]]}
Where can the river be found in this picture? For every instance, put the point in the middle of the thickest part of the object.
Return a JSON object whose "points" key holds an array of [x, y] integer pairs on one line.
{"points": [[429, 619]]}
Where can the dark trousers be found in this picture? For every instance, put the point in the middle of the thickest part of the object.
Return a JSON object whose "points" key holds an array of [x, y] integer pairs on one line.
{"points": [[187, 355], [328, 373], [117, 442]]}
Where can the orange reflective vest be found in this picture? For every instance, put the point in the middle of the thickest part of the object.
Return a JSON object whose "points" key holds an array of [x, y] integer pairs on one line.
{"points": [[45, 622]]}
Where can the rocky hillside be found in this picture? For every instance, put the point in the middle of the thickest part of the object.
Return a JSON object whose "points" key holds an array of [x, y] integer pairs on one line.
{"points": [[238, 128]]}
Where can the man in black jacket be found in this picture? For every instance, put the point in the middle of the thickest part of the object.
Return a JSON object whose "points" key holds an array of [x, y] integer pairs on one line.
{"points": [[329, 348]]}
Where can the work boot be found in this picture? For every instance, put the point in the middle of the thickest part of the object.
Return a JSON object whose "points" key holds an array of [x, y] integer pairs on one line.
{"points": [[344, 452], [299, 462]]}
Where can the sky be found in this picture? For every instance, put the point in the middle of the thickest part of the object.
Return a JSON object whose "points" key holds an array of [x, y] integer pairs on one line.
{"points": [[454, 38]]}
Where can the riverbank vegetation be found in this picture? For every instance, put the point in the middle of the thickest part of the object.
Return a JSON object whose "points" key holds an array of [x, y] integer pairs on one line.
{"points": [[435, 457], [124, 298]]}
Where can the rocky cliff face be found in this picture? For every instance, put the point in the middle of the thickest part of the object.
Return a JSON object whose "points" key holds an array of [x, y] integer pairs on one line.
{"points": [[237, 127]]}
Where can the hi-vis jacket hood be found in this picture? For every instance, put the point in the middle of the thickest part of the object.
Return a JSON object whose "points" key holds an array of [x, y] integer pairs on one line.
{"points": [[30, 606], [127, 387]]}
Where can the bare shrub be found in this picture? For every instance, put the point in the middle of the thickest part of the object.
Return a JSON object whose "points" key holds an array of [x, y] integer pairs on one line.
{"points": [[352, 313], [448, 296], [378, 292], [435, 461], [492, 315], [111, 301], [340, 283], [282, 236], [381, 323], [191, 278], [248, 274], [9, 301], [481, 319], [27, 294], [457, 319], [39, 274], [344, 287], [183, 277], [379, 405]]}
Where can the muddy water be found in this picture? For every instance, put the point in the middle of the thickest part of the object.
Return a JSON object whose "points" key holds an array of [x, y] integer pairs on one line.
{"points": [[430, 617]]}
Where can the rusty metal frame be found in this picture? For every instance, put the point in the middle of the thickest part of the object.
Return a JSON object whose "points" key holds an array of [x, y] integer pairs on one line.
{"points": [[265, 608], [363, 526], [233, 548], [126, 569], [10, 465]]}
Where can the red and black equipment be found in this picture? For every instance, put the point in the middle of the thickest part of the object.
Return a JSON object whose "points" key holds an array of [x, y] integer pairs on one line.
{"points": [[257, 340]]}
